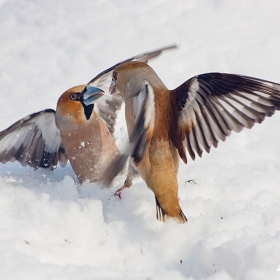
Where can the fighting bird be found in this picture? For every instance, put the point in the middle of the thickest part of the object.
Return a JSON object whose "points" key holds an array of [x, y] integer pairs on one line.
{"points": [[80, 130], [163, 124], [74, 131]]}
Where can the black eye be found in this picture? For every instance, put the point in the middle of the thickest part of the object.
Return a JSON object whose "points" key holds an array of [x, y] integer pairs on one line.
{"points": [[75, 96], [115, 75]]}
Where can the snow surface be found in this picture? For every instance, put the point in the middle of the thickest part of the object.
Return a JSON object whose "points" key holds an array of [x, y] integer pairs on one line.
{"points": [[52, 229]]}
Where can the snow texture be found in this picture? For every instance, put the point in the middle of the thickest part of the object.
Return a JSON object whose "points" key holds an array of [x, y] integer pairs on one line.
{"points": [[50, 228]]}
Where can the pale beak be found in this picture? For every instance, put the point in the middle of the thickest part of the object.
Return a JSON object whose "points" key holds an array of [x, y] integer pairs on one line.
{"points": [[113, 87], [90, 94]]}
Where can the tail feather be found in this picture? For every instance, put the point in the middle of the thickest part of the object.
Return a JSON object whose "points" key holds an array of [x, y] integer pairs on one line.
{"points": [[164, 217], [161, 214]]}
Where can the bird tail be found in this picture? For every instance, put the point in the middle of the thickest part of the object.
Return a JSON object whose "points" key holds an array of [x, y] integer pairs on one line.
{"points": [[164, 217]]}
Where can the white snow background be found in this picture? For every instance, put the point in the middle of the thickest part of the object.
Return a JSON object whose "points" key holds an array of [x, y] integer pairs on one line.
{"points": [[50, 228]]}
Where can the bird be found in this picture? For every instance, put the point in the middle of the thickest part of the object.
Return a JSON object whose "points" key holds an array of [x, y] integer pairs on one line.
{"points": [[80, 130], [73, 132], [165, 125]]}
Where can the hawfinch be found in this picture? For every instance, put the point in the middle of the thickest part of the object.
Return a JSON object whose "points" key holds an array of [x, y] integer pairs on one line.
{"points": [[80, 130], [74, 131], [163, 124]]}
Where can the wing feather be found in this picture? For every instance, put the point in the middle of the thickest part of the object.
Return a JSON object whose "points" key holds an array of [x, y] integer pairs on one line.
{"points": [[211, 105], [108, 105], [140, 137], [34, 140]]}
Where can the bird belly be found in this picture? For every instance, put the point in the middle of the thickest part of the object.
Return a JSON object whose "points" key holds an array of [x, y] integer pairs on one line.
{"points": [[158, 169], [89, 150]]}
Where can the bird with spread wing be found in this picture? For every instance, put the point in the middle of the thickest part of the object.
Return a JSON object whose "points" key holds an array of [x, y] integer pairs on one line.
{"points": [[80, 130], [166, 125]]}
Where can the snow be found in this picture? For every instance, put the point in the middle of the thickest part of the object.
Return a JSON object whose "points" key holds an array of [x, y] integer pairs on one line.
{"points": [[53, 229]]}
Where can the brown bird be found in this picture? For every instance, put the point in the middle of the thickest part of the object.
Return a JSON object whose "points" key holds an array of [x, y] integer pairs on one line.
{"points": [[81, 130], [74, 131], [163, 124]]}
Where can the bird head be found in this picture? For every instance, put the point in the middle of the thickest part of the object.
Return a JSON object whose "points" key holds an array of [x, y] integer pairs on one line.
{"points": [[128, 78], [78, 102]]}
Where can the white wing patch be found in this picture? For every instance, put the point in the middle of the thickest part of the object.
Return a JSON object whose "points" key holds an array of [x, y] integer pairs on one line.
{"points": [[50, 133], [13, 140], [150, 104], [194, 87]]}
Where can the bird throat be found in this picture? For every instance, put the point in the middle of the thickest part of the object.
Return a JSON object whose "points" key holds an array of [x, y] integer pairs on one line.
{"points": [[88, 110]]}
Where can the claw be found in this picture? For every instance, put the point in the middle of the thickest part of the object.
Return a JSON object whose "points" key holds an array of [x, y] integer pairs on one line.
{"points": [[119, 191]]}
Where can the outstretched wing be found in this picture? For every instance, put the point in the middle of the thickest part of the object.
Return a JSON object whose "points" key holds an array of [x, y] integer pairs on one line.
{"points": [[211, 105], [108, 105], [34, 140], [140, 137]]}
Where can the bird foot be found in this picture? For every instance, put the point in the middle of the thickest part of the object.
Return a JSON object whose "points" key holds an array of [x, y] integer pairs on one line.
{"points": [[118, 193]]}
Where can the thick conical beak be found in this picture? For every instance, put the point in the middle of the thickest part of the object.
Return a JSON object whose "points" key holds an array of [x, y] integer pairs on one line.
{"points": [[113, 87], [90, 94]]}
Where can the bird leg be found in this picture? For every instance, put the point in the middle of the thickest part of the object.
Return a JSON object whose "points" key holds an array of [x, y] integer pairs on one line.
{"points": [[131, 172], [127, 183], [119, 191]]}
